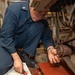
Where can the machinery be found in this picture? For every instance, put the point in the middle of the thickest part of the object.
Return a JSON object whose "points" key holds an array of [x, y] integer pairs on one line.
{"points": [[63, 27]]}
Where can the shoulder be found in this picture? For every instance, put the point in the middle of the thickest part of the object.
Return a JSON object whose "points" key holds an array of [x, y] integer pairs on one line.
{"points": [[14, 7], [18, 7]]}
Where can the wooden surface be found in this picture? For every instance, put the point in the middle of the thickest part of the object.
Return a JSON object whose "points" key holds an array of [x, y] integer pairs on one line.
{"points": [[48, 69]]}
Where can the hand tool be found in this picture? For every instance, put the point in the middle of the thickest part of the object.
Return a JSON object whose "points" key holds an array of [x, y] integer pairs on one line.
{"points": [[24, 72]]}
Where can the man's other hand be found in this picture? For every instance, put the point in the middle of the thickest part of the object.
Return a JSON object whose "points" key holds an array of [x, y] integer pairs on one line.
{"points": [[53, 57]]}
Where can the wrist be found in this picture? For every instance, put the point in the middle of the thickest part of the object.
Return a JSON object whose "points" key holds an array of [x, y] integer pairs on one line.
{"points": [[50, 48], [15, 56]]}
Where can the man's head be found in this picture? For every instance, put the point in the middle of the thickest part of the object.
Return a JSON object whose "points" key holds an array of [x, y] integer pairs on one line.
{"points": [[37, 15]]}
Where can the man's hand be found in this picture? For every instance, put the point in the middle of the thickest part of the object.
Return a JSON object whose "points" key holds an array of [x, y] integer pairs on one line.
{"points": [[53, 57], [36, 16], [18, 65]]}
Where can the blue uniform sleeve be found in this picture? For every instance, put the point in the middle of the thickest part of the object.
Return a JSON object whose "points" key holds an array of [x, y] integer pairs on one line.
{"points": [[7, 31], [47, 39]]}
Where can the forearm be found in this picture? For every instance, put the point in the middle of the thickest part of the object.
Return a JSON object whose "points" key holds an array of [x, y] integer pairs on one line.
{"points": [[46, 38]]}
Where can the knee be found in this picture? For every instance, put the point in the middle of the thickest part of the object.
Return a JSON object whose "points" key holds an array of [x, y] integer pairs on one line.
{"points": [[37, 27], [4, 68]]}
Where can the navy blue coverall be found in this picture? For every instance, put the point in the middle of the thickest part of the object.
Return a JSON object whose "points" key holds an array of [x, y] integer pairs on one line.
{"points": [[19, 31]]}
